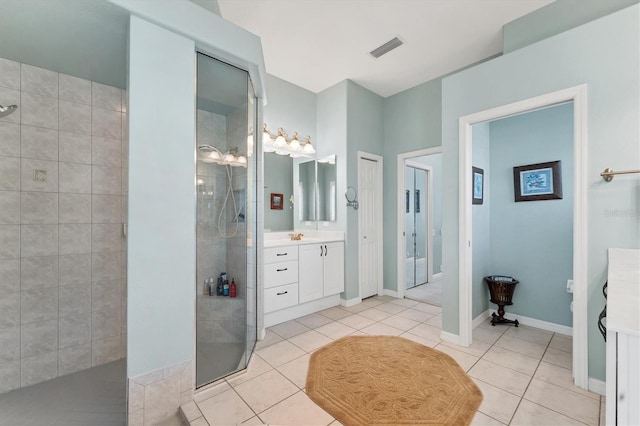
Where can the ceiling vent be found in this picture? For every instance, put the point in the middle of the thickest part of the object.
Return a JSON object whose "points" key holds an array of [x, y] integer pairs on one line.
{"points": [[386, 48]]}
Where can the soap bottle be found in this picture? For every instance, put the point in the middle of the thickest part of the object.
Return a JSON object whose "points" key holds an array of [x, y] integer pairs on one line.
{"points": [[212, 289], [206, 287], [220, 287], [232, 288], [225, 288]]}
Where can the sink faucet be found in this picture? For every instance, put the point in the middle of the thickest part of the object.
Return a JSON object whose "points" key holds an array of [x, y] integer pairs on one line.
{"points": [[296, 237]]}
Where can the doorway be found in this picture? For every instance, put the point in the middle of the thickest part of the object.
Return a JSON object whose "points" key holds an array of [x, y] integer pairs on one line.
{"points": [[370, 224], [418, 221]]}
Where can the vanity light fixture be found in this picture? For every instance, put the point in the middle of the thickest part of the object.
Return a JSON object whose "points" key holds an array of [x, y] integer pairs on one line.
{"points": [[295, 143], [231, 158], [308, 148], [281, 140], [282, 146]]}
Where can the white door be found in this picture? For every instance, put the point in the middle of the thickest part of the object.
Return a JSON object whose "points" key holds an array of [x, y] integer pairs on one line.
{"points": [[310, 285], [369, 225], [333, 268]]}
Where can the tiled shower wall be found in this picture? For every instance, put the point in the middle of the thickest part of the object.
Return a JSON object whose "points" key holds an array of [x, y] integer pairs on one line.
{"points": [[63, 186]]}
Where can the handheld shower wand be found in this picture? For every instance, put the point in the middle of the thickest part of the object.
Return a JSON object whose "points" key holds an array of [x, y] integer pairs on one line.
{"points": [[4, 111]]}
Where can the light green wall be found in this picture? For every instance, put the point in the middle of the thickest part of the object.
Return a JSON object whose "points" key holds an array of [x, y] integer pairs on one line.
{"points": [[161, 240], [533, 241], [290, 107], [602, 54], [435, 162], [554, 18]]}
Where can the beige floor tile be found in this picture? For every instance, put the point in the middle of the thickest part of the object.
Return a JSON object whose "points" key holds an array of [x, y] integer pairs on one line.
{"points": [[488, 335], [436, 321], [504, 378], [280, 353], [296, 370], [558, 357], [380, 329], [335, 330], [335, 423], [225, 408], [497, 403], [421, 340], [211, 390], [356, 308], [296, 410], [310, 341], [425, 307], [513, 360], [487, 325], [269, 339], [257, 366], [335, 313], [372, 301], [190, 410], [571, 404], [603, 411], [477, 348], [289, 329], [375, 314], [562, 377], [416, 315], [356, 321], [266, 390], [465, 360], [482, 419], [314, 320], [391, 308], [255, 421], [404, 324], [199, 422], [561, 342], [520, 346], [407, 303], [530, 414], [426, 331], [531, 334]]}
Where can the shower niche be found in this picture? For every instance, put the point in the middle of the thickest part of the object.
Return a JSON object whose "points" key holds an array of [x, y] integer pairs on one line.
{"points": [[225, 323]]}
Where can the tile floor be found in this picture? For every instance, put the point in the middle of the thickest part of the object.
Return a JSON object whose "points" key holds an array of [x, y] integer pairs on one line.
{"points": [[524, 373], [430, 293]]}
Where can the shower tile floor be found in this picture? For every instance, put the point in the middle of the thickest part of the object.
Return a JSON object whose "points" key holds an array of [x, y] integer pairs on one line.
{"points": [[524, 373]]}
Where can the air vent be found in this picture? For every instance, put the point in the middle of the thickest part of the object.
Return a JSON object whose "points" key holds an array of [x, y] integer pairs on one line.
{"points": [[386, 48]]}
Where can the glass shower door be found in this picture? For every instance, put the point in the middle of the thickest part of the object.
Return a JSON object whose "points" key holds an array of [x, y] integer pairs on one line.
{"points": [[226, 279], [416, 210]]}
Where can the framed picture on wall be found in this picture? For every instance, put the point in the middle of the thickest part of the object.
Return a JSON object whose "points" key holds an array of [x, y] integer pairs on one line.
{"points": [[276, 201], [541, 181], [477, 183]]}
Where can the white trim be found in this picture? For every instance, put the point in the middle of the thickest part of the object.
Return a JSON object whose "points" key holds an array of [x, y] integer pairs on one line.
{"points": [[577, 95], [437, 276], [450, 337], [542, 325], [297, 311], [401, 271], [597, 386], [428, 227], [391, 293], [351, 302], [379, 231], [481, 318]]}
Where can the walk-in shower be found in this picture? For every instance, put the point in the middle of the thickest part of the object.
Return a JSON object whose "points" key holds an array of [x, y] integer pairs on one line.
{"points": [[226, 279]]}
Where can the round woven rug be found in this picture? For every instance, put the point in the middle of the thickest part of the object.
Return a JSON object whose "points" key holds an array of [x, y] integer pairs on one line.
{"points": [[387, 380]]}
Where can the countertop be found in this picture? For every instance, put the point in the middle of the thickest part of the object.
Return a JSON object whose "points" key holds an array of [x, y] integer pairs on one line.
{"points": [[279, 239]]}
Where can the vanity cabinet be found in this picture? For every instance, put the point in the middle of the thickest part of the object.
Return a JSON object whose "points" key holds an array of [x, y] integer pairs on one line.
{"points": [[280, 278], [321, 270]]}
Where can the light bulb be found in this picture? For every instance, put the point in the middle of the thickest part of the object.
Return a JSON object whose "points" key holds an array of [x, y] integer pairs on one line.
{"points": [[241, 161], [308, 148], [280, 141], [295, 143], [213, 157], [229, 158], [266, 136]]}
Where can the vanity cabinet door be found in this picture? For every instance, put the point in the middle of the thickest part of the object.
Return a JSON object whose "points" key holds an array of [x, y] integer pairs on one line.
{"points": [[310, 281], [333, 268]]}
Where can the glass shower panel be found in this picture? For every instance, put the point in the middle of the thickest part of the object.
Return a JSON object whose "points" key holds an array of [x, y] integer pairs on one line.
{"points": [[225, 310]]}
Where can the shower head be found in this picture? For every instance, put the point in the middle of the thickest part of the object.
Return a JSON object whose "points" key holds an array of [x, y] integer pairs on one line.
{"points": [[7, 110]]}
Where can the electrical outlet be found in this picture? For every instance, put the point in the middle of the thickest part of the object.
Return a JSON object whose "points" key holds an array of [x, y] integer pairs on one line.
{"points": [[569, 286]]}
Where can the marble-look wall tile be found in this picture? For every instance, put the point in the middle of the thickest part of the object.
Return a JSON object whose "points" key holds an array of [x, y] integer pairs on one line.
{"points": [[75, 238], [39, 175], [39, 368], [74, 330], [106, 350], [105, 324], [106, 266], [39, 272], [161, 400], [75, 178], [39, 143], [39, 111], [38, 338], [75, 269], [125, 181], [106, 123], [135, 401], [106, 237], [74, 299], [39, 80], [9, 74], [9, 241], [9, 376], [11, 97], [106, 152], [106, 180], [74, 147], [9, 275], [38, 240], [73, 359], [10, 173], [75, 118], [74, 208], [39, 208], [9, 310], [10, 137], [10, 207], [105, 296], [9, 344], [38, 305], [106, 97], [107, 208], [74, 89]]}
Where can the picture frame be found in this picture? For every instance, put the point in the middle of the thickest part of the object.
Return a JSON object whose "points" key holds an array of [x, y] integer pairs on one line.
{"points": [[277, 201], [477, 185], [540, 181]]}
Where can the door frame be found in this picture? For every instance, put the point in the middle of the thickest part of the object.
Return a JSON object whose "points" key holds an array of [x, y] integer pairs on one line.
{"points": [[577, 95], [378, 206], [428, 226], [400, 212]]}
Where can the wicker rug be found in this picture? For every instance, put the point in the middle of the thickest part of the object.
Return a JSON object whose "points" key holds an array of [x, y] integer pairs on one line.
{"points": [[386, 380]]}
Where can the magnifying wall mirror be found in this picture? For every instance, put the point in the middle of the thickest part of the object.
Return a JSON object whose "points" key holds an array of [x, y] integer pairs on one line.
{"points": [[351, 194]]}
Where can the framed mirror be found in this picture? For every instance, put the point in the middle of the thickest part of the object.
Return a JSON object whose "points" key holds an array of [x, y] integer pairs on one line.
{"points": [[278, 178], [326, 178], [306, 192]]}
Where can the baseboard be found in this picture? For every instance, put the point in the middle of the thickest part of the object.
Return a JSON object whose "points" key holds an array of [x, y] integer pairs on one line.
{"points": [[543, 325], [481, 318], [351, 302], [450, 337], [391, 293], [437, 276], [597, 386], [297, 311]]}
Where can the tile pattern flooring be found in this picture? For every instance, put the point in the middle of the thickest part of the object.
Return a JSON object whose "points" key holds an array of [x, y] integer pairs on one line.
{"points": [[524, 373], [430, 293]]}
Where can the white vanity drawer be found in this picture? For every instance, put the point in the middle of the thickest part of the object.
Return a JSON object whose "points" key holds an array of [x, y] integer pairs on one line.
{"points": [[276, 274], [281, 297], [280, 254]]}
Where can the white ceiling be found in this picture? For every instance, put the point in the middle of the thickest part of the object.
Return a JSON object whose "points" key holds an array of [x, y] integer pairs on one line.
{"points": [[318, 43]]}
